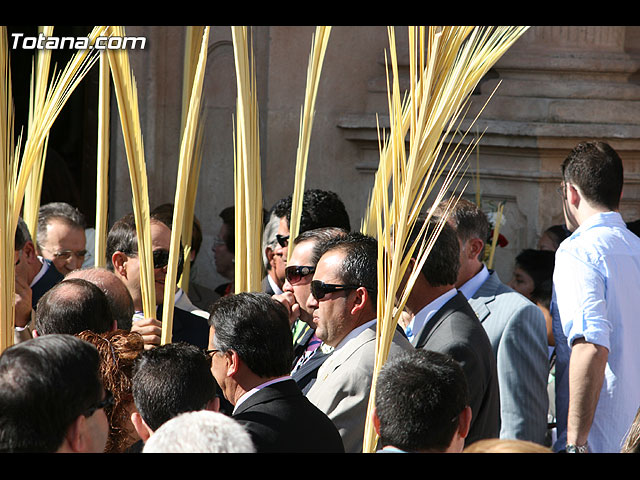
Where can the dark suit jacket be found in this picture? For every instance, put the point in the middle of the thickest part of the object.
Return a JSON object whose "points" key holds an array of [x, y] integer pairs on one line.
{"points": [[456, 330], [266, 286], [188, 327], [281, 420], [45, 283]]}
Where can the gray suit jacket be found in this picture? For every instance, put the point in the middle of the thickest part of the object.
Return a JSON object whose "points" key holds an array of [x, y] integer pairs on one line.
{"points": [[343, 383], [455, 330], [517, 331]]}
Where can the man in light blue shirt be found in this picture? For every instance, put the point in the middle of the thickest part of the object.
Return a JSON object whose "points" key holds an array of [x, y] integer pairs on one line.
{"points": [[596, 305]]}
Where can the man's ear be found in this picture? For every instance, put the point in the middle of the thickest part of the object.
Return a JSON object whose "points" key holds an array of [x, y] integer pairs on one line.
{"points": [[119, 261], [376, 421], [141, 427], [361, 301], [464, 422], [213, 405], [233, 362], [76, 435], [270, 254], [573, 195], [474, 247]]}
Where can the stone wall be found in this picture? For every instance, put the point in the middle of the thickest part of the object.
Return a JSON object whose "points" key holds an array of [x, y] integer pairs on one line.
{"points": [[557, 86]]}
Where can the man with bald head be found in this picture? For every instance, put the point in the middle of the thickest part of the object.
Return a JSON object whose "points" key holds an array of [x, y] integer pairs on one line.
{"points": [[116, 292]]}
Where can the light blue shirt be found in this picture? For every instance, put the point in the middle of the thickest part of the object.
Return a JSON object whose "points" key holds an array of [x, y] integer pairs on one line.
{"points": [[597, 297], [422, 317], [472, 285]]}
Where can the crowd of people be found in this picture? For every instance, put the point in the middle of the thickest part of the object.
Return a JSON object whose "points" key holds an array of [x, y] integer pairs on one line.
{"points": [[542, 364]]}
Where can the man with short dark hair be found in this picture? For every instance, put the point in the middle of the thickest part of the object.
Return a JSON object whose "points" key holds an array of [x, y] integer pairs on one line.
{"points": [[309, 351], [34, 276], [595, 306], [72, 306], [122, 259], [320, 208], [169, 380], [251, 350], [515, 326], [443, 321], [344, 315], [118, 296], [51, 397], [422, 404], [61, 237]]}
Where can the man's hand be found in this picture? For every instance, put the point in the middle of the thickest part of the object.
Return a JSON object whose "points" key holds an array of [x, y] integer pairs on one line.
{"points": [[289, 301], [23, 298], [151, 331]]}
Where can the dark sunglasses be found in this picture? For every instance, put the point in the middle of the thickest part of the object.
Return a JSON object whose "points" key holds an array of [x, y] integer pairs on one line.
{"points": [[319, 289], [283, 240], [295, 273], [107, 401], [161, 259]]}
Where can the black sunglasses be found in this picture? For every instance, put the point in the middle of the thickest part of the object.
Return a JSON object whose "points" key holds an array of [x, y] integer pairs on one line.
{"points": [[107, 401], [319, 289], [283, 240], [295, 273], [161, 260]]}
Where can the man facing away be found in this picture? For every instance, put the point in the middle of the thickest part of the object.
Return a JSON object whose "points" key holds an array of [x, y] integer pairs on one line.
{"points": [[52, 397], [596, 305], [516, 328], [422, 404], [442, 320], [344, 314], [251, 348]]}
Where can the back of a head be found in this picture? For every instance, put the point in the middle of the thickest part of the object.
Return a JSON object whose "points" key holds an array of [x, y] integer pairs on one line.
{"points": [[122, 237], [45, 384], [171, 379], [200, 432], [61, 211], [505, 445], [320, 236], [443, 262], [72, 306], [119, 298], [257, 327], [320, 208], [360, 264], [468, 220], [539, 264], [596, 169], [419, 397]]}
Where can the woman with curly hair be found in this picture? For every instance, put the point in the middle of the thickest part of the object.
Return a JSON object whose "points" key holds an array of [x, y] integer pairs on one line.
{"points": [[118, 350]]}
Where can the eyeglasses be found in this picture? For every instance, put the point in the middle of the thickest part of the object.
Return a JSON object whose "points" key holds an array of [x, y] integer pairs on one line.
{"points": [[283, 240], [66, 254], [107, 401], [296, 273], [319, 289]]}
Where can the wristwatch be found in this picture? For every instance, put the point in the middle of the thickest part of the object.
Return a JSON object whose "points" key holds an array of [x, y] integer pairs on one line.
{"points": [[576, 448]]}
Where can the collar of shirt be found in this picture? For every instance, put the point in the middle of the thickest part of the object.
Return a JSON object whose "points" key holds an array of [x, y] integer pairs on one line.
{"points": [[258, 388], [276, 289], [355, 332], [423, 316], [597, 219], [43, 270], [472, 285]]}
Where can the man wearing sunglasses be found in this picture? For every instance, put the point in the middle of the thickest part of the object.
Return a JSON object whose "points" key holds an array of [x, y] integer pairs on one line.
{"points": [[309, 351], [122, 259], [343, 306], [58, 404]]}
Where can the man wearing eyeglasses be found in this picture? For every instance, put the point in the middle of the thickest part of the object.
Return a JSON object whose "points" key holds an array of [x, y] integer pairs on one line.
{"points": [[57, 406], [122, 259], [343, 306], [595, 306], [61, 237]]}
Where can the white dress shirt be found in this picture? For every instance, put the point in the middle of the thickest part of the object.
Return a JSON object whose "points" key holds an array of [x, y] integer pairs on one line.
{"points": [[421, 318]]}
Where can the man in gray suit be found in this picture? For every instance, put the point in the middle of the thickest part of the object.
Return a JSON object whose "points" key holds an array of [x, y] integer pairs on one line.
{"points": [[516, 328], [443, 321], [343, 302]]}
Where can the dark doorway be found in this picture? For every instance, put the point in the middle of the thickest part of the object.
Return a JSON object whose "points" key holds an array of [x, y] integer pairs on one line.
{"points": [[70, 165]]}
